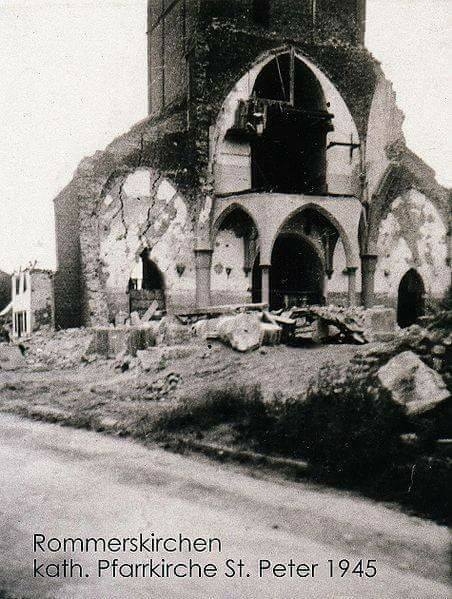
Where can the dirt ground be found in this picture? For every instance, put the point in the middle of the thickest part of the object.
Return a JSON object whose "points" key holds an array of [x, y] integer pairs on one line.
{"points": [[65, 482], [106, 397]]}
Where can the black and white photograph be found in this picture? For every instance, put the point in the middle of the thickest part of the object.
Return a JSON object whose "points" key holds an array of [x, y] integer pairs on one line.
{"points": [[225, 299]]}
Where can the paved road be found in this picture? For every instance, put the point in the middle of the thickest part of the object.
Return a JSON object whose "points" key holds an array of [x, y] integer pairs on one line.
{"points": [[68, 483]]}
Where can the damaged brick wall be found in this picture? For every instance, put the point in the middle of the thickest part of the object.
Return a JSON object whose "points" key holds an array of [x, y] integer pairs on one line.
{"points": [[412, 236], [41, 300], [154, 186], [140, 211], [161, 144]]}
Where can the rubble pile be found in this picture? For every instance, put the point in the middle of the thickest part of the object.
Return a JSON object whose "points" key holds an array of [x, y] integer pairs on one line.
{"points": [[59, 349], [160, 389], [327, 323], [11, 357], [412, 383], [432, 345], [246, 331]]}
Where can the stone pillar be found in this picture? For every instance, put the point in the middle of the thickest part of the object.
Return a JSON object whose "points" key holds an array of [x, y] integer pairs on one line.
{"points": [[203, 260], [351, 273], [265, 271], [325, 289], [449, 250], [368, 267], [326, 279]]}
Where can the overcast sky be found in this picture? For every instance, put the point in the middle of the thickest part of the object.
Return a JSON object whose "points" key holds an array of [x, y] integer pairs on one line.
{"points": [[73, 76]]}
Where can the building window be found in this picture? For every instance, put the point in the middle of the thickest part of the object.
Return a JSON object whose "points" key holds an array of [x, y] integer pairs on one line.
{"points": [[17, 285], [261, 12]]}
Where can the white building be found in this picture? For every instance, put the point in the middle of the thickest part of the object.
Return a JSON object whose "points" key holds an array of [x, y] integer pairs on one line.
{"points": [[32, 301]]}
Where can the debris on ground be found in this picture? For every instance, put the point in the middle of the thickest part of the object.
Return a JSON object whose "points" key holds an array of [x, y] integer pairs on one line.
{"points": [[150, 312], [112, 341], [11, 357], [172, 332], [160, 389], [243, 332], [150, 359], [326, 323], [58, 349], [412, 383], [218, 311]]}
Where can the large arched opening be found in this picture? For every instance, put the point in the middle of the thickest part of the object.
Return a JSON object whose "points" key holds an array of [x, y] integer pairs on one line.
{"points": [[411, 299], [290, 123], [297, 272], [302, 258]]}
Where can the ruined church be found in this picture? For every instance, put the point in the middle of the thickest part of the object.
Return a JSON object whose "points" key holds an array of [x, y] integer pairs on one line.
{"points": [[272, 167]]}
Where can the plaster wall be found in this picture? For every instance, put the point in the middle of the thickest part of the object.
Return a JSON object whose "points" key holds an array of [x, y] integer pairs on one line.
{"points": [[338, 284], [41, 298], [32, 293], [271, 211], [229, 253], [21, 291], [144, 210], [412, 235], [384, 129]]}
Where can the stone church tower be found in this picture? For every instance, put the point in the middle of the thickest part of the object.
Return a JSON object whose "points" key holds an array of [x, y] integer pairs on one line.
{"points": [[272, 167]]}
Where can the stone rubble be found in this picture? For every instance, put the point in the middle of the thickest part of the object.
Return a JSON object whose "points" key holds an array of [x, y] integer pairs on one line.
{"points": [[412, 383]]}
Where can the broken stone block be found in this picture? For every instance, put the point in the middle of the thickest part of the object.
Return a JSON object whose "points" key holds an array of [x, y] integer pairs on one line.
{"points": [[201, 328], [135, 319], [173, 332], [412, 383], [322, 331], [379, 320], [242, 332], [11, 357], [150, 311], [121, 318], [271, 333], [209, 328], [148, 359], [110, 342]]}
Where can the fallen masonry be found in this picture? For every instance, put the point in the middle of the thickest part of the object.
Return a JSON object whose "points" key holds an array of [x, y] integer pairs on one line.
{"points": [[243, 327], [412, 383]]}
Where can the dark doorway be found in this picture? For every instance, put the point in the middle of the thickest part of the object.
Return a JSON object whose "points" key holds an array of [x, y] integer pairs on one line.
{"points": [[150, 288], [290, 154], [297, 273], [152, 277], [411, 303]]}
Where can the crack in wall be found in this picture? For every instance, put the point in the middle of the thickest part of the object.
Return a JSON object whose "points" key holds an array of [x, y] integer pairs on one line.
{"points": [[121, 209], [154, 186]]}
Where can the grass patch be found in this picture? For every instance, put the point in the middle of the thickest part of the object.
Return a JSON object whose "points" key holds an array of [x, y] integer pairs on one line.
{"points": [[237, 408]]}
